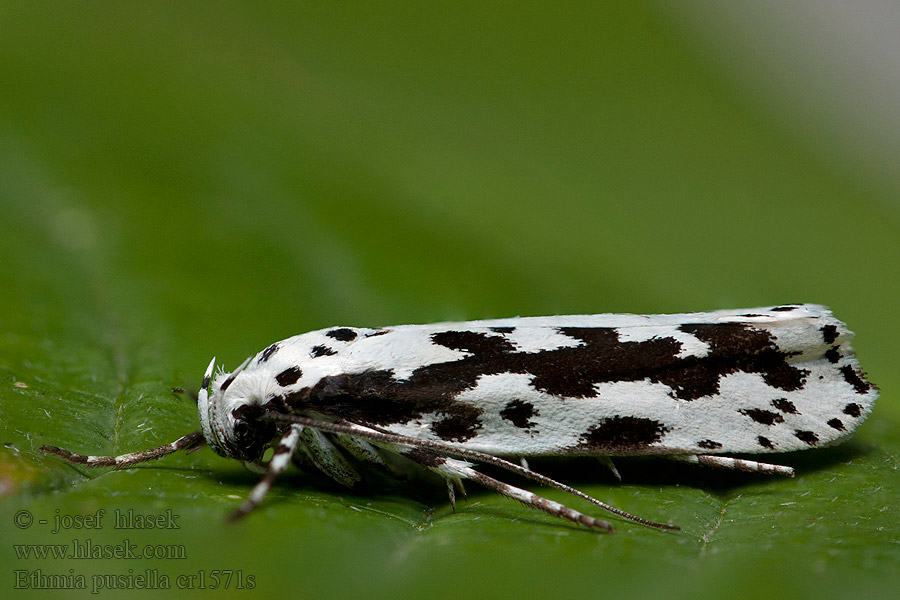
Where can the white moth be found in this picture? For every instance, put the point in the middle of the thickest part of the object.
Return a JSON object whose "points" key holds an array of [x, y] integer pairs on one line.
{"points": [[688, 386]]}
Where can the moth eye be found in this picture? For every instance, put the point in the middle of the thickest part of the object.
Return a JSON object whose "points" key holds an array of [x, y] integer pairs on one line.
{"points": [[242, 432]]}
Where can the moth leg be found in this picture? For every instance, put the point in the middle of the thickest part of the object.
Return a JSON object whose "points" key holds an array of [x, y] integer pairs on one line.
{"points": [[453, 469], [461, 488], [608, 463], [534, 501], [328, 458], [359, 449], [442, 466], [452, 493], [281, 458], [736, 464]]}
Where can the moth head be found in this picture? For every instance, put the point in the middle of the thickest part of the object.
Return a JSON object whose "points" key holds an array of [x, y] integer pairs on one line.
{"points": [[229, 416]]}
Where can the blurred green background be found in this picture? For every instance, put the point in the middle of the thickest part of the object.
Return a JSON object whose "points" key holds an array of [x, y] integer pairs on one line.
{"points": [[179, 180]]}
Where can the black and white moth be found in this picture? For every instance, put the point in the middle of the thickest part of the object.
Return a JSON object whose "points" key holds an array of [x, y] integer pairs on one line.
{"points": [[446, 396]]}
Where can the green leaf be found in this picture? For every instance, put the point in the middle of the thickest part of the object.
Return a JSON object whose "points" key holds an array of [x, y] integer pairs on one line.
{"points": [[181, 181]]}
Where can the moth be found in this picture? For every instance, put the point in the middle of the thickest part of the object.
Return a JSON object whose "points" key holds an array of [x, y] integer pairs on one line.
{"points": [[693, 387]]}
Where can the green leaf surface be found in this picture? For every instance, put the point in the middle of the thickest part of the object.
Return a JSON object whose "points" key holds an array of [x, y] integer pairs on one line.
{"points": [[184, 180]]}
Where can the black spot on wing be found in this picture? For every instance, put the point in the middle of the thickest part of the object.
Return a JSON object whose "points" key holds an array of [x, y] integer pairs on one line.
{"points": [[376, 398], [785, 308], [574, 371], [853, 378], [736, 347], [342, 334], [709, 444], [459, 426], [751, 315], [766, 417], [807, 437], [518, 413], [829, 333], [785, 406], [602, 357], [318, 351], [502, 329], [832, 355], [837, 424], [267, 353], [373, 397], [765, 442], [853, 409], [377, 333], [620, 433], [473, 341], [289, 376]]}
